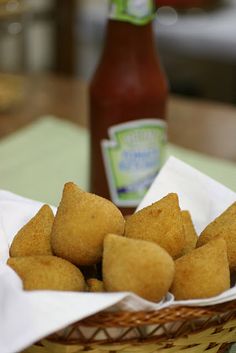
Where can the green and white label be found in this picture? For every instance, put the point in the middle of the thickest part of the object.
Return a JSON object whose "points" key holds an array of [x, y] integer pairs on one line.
{"points": [[133, 156], [138, 12]]}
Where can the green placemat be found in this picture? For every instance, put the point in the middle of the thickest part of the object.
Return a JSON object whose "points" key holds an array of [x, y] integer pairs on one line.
{"points": [[38, 160]]}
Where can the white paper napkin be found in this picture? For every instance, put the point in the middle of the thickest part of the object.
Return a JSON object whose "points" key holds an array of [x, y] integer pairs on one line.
{"points": [[26, 317]]}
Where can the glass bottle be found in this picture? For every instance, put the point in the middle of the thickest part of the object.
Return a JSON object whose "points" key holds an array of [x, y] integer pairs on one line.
{"points": [[127, 97]]}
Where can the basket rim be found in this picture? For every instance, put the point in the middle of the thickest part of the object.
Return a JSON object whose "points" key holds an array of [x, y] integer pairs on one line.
{"points": [[169, 314]]}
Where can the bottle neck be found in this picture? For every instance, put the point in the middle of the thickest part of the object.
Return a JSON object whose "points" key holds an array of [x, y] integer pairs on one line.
{"points": [[124, 39]]}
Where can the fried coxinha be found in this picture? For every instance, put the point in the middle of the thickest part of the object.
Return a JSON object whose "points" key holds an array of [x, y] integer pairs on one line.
{"points": [[150, 253], [81, 224]]}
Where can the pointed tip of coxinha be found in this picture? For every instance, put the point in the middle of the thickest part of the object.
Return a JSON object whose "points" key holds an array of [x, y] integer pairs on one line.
{"points": [[70, 186], [34, 237], [161, 223], [72, 191], [45, 210]]}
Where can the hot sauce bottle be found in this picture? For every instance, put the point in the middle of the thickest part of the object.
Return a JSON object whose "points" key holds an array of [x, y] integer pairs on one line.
{"points": [[127, 97]]}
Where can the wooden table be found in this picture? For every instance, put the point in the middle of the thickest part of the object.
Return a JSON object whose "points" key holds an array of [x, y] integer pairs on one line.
{"points": [[207, 127]]}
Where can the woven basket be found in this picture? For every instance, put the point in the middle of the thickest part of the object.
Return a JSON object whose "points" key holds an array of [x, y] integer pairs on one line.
{"points": [[189, 329]]}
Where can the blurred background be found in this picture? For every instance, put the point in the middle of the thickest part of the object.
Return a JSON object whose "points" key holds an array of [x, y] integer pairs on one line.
{"points": [[196, 40]]}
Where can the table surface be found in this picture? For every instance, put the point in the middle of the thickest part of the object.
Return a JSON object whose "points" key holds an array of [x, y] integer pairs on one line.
{"points": [[207, 127]]}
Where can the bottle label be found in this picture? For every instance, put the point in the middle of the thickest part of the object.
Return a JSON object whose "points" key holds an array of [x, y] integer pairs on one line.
{"points": [[133, 156], [139, 12]]}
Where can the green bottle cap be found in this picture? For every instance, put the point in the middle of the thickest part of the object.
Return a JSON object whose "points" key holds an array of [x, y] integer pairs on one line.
{"points": [[138, 12]]}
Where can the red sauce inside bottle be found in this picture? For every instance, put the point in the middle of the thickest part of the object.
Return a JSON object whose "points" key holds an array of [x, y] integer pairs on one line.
{"points": [[128, 84]]}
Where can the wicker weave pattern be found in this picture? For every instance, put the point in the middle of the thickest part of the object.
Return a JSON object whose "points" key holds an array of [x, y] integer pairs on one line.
{"points": [[213, 340], [161, 325], [189, 329], [171, 314]]}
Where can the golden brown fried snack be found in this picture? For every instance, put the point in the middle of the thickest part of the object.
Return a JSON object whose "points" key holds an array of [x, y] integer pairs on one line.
{"points": [[161, 223], [223, 226], [190, 233], [80, 225], [95, 285], [34, 237], [203, 272], [137, 266], [47, 272]]}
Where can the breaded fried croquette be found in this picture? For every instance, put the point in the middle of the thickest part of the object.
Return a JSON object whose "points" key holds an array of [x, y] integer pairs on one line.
{"points": [[137, 266], [95, 285], [223, 226], [189, 231], [160, 223], [203, 272], [81, 223], [47, 272], [34, 237]]}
